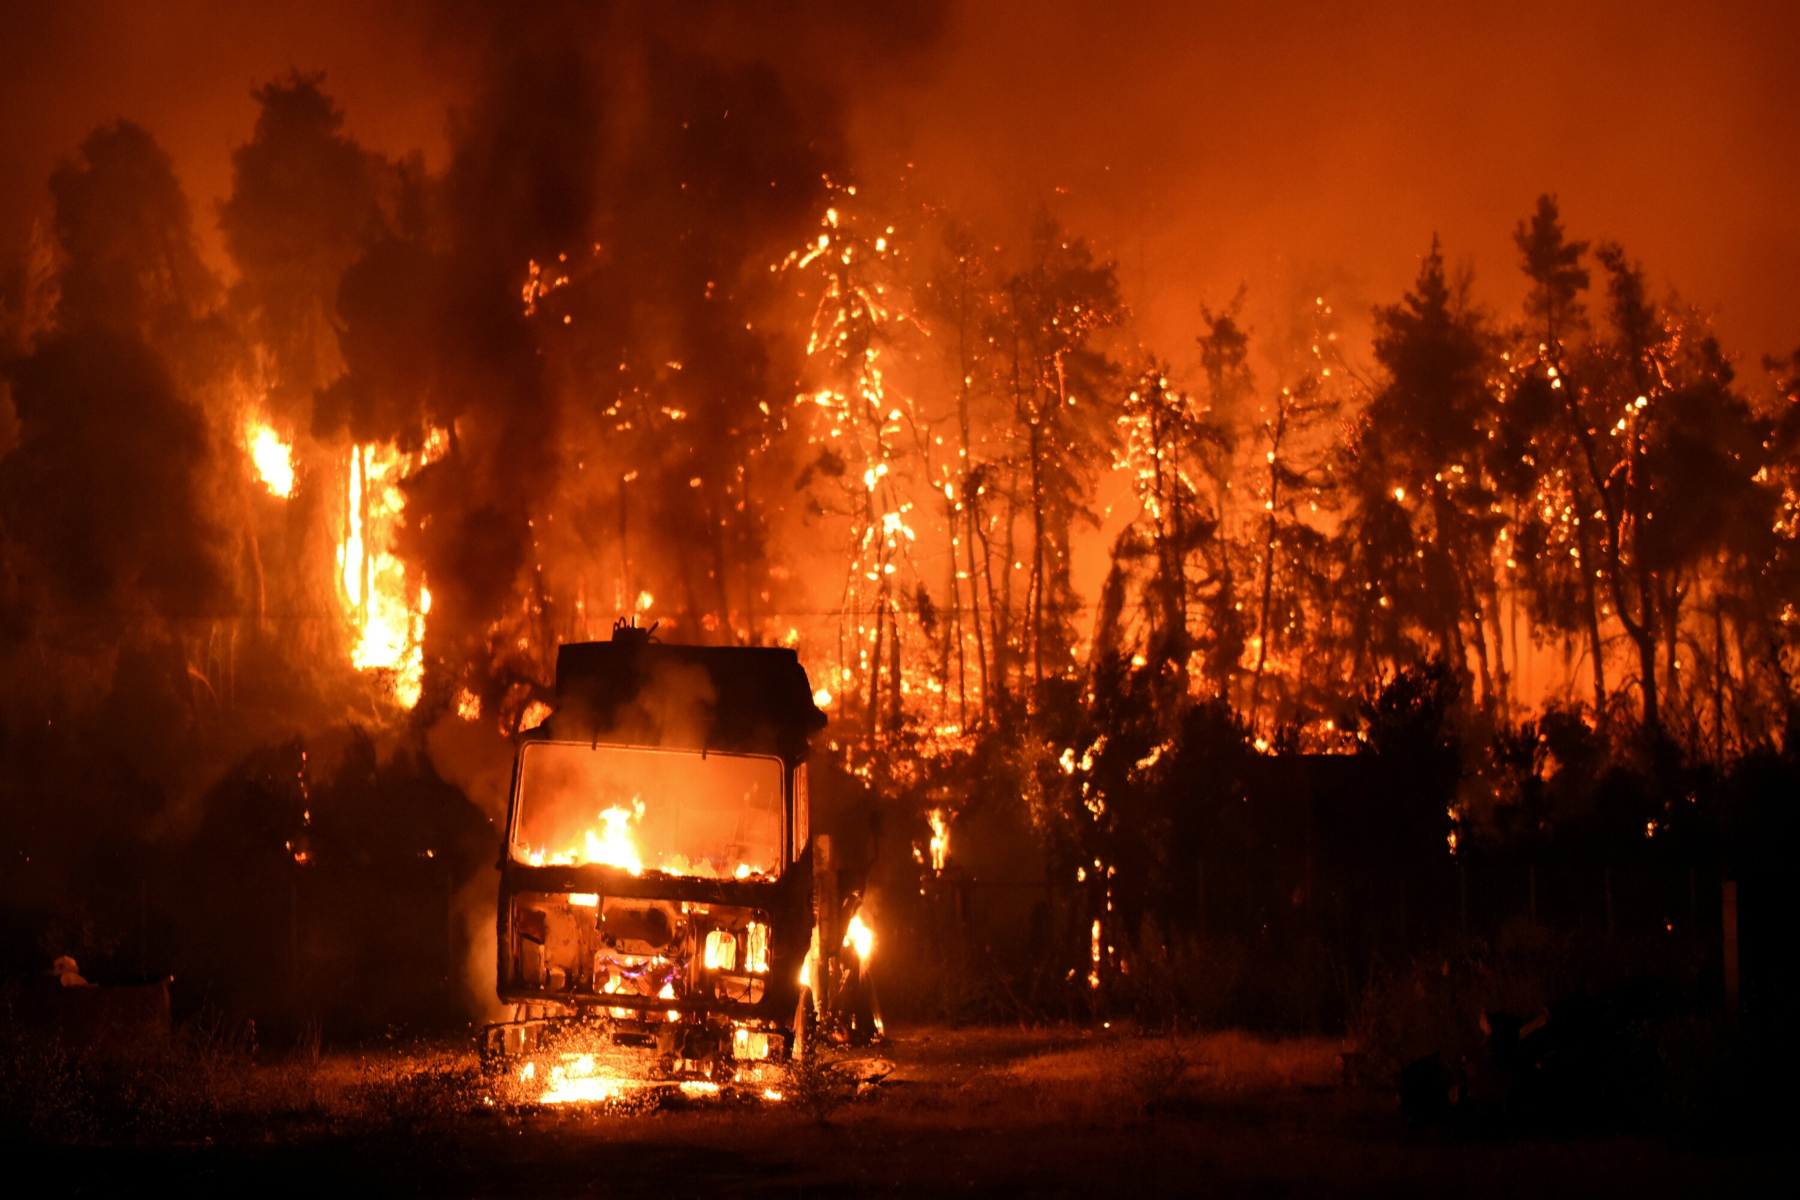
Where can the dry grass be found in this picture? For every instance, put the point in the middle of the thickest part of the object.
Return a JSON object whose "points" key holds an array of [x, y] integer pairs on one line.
{"points": [[210, 1081], [1124, 1075], [1052, 1112]]}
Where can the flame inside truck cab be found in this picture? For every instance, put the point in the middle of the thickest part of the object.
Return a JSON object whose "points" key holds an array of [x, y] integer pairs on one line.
{"points": [[715, 816]]}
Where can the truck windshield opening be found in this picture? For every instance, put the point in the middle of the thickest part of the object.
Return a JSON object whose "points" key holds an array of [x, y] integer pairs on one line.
{"points": [[717, 816]]}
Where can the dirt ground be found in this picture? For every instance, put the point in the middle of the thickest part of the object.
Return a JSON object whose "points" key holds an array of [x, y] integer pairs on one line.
{"points": [[963, 1112]]}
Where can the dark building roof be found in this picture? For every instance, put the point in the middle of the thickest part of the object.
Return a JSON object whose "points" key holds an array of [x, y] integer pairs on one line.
{"points": [[635, 691]]}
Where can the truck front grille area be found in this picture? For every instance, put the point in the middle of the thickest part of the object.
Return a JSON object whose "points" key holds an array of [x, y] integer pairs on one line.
{"points": [[635, 957]]}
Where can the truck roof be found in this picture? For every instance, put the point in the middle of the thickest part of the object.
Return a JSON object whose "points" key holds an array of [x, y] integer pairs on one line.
{"points": [[635, 691]]}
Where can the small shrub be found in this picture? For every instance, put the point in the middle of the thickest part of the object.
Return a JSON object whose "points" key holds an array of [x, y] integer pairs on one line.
{"points": [[43, 1093], [1156, 1073], [818, 1085]]}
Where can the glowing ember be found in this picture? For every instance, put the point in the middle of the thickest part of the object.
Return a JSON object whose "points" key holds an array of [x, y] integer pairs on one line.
{"points": [[940, 838], [273, 457]]}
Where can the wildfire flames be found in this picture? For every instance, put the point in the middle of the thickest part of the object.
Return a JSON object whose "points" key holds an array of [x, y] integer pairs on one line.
{"points": [[387, 612], [387, 609], [923, 445]]}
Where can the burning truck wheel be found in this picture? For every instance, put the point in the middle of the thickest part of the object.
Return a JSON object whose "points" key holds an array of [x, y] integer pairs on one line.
{"points": [[662, 900]]}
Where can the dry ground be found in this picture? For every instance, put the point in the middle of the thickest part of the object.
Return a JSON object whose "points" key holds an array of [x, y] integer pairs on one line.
{"points": [[965, 1112]]}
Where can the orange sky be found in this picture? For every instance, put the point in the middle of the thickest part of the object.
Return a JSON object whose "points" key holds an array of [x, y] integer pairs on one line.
{"points": [[1273, 143], [1278, 143]]}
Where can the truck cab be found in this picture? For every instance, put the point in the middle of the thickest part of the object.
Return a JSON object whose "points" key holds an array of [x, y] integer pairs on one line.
{"points": [[661, 896]]}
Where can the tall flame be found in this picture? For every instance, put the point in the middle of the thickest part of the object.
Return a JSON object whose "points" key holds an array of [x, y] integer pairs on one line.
{"points": [[387, 616]]}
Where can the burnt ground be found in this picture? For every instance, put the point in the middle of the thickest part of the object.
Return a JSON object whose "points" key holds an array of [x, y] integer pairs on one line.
{"points": [[964, 1112]]}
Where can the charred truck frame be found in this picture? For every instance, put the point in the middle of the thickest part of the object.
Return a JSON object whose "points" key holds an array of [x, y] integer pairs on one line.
{"points": [[660, 890]]}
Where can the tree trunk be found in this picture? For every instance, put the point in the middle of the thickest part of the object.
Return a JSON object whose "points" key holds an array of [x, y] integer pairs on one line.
{"points": [[1037, 556], [1584, 541], [953, 626]]}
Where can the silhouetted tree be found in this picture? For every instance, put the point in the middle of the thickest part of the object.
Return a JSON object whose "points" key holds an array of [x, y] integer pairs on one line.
{"points": [[1424, 523], [305, 205]]}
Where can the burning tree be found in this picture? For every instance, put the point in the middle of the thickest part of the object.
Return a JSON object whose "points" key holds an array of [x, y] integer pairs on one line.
{"points": [[865, 432], [1293, 554], [1174, 451], [1056, 378]]}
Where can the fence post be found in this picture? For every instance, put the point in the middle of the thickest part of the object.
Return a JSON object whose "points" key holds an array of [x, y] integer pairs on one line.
{"points": [[1200, 896], [1462, 894], [1612, 926], [826, 901], [294, 938], [1730, 922]]}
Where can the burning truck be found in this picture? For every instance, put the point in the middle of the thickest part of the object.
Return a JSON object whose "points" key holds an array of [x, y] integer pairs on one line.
{"points": [[665, 914]]}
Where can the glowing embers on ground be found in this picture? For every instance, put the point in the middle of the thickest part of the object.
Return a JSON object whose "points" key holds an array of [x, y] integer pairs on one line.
{"points": [[575, 1078], [272, 457], [387, 610]]}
